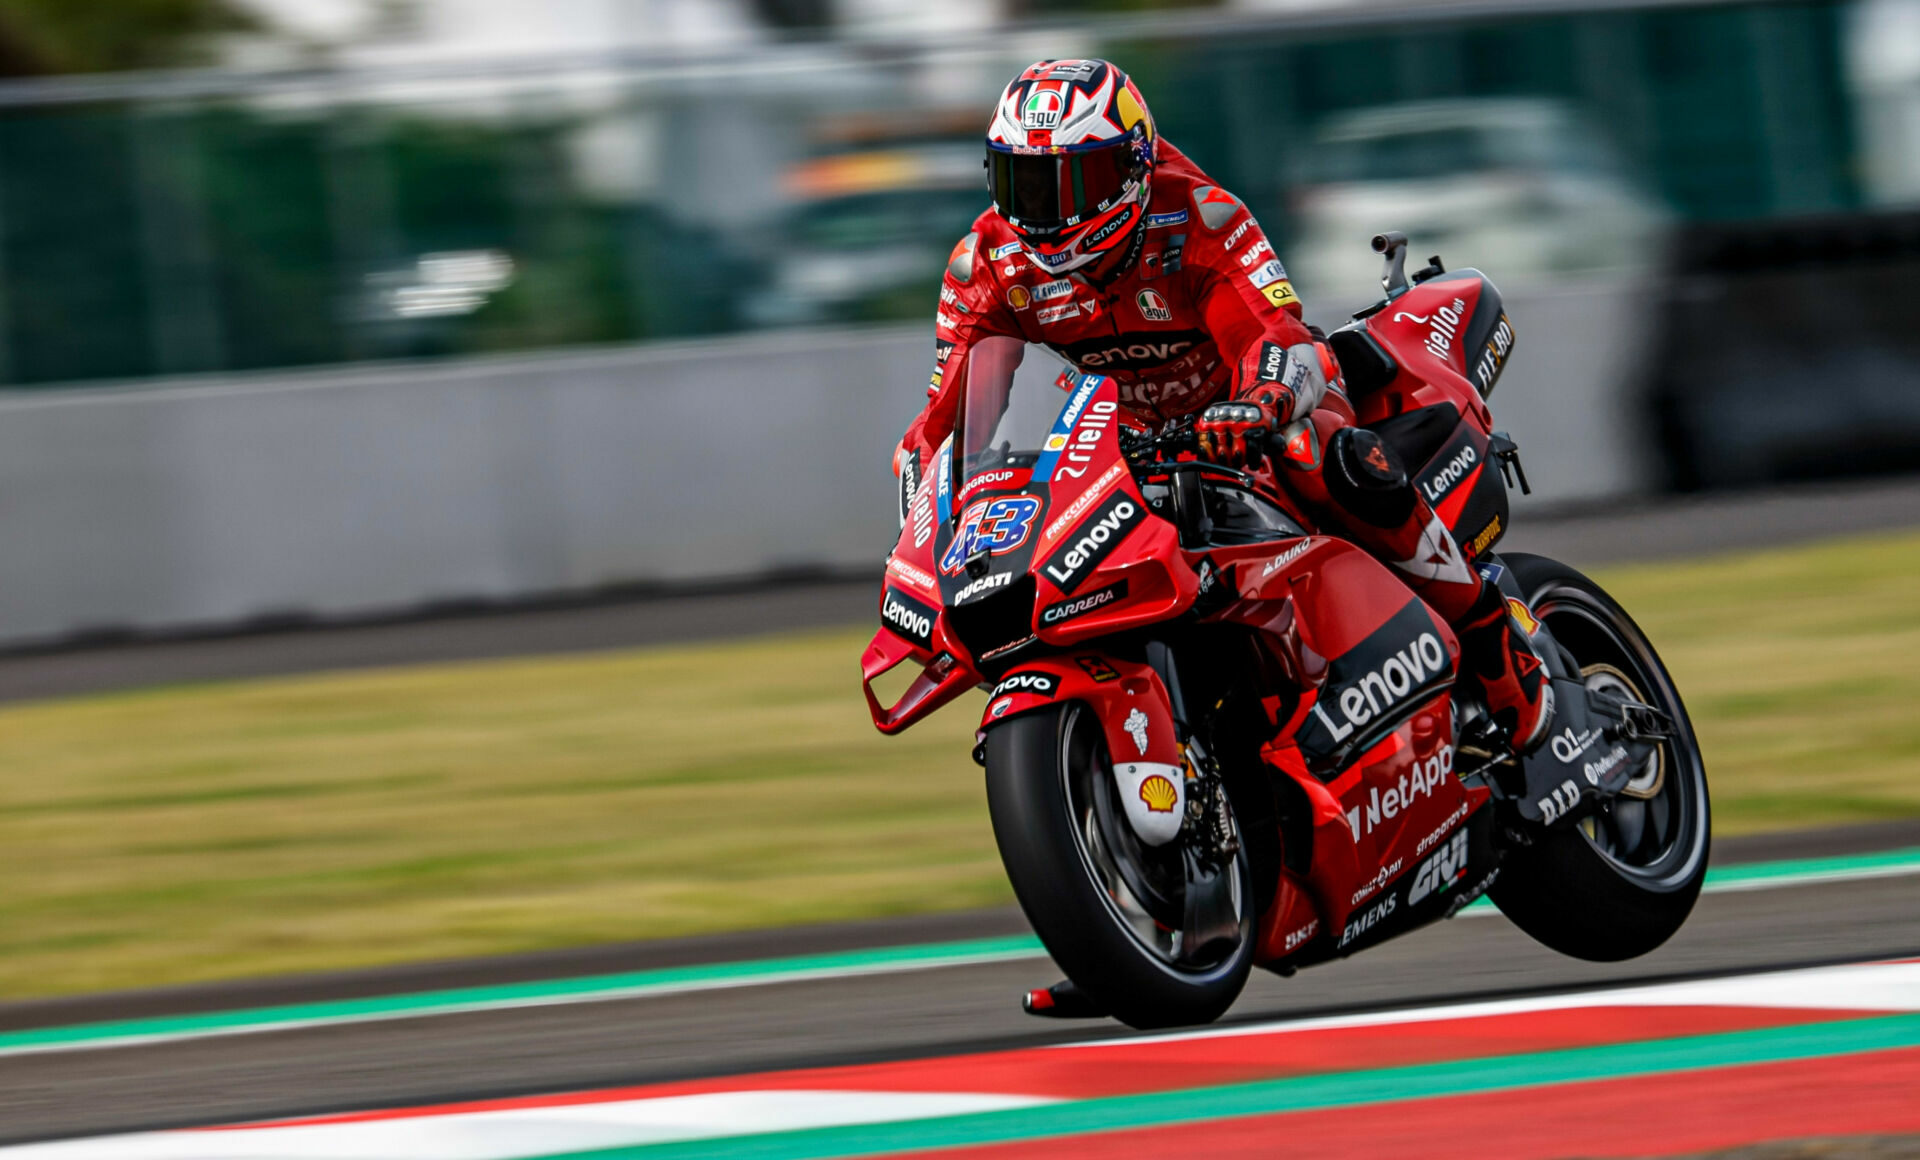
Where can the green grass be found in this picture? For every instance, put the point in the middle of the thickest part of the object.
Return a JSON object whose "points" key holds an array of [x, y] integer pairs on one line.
{"points": [[226, 830]]}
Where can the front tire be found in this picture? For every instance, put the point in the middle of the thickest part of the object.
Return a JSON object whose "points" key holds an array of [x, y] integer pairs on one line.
{"points": [[1113, 928], [1623, 881]]}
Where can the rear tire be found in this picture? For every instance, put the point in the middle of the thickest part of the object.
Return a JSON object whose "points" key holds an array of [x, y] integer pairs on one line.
{"points": [[1622, 883], [1041, 770]]}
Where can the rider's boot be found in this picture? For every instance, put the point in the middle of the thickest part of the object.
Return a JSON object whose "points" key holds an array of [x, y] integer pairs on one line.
{"points": [[1497, 657], [1365, 479]]}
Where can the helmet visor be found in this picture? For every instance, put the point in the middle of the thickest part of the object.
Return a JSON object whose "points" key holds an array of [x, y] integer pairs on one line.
{"points": [[1045, 193]]}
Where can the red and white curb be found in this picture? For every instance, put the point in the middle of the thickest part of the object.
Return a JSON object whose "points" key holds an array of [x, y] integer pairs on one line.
{"points": [[743, 1106]]}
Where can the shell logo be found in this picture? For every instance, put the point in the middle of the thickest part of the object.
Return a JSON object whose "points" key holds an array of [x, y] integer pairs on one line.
{"points": [[1524, 616], [1018, 298], [1159, 794], [1056, 442]]}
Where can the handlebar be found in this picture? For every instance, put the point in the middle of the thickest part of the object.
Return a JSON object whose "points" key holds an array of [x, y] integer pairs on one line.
{"points": [[1150, 449]]}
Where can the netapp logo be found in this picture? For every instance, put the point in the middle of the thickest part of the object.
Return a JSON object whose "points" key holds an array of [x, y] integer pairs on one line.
{"points": [[908, 617], [1423, 780], [1038, 684], [1069, 567], [1081, 605]]}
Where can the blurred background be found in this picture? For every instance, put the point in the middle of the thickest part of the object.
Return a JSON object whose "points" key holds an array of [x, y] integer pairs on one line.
{"points": [[389, 303], [444, 483]]}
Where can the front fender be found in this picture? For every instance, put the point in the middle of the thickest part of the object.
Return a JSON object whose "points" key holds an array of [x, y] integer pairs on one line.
{"points": [[1136, 718]]}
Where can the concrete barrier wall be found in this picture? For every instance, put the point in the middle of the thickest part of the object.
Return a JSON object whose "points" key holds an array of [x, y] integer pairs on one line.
{"points": [[376, 490]]}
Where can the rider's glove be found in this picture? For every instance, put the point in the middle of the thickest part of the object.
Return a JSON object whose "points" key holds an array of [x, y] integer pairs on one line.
{"points": [[1234, 433], [1289, 383]]}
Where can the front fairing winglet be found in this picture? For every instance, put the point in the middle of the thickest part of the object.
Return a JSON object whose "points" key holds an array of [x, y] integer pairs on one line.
{"points": [[941, 681]]}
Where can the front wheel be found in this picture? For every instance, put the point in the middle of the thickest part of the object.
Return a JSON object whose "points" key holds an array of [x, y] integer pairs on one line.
{"points": [[1156, 936], [1624, 880]]}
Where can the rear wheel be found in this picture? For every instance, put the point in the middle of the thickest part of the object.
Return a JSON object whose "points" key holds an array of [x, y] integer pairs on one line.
{"points": [[1624, 880], [1156, 936]]}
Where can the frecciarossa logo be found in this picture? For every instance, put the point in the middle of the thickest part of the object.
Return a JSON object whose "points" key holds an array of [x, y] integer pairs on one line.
{"points": [[907, 617], [1086, 546]]}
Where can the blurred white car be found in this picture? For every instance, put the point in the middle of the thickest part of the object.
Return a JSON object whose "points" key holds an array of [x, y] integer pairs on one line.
{"points": [[1520, 188], [868, 234]]}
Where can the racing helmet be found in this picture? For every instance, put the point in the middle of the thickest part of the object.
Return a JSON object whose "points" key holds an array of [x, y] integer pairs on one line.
{"points": [[1070, 155]]}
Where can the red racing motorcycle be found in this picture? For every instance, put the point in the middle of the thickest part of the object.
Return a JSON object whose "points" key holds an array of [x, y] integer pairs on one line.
{"points": [[1218, 738]]}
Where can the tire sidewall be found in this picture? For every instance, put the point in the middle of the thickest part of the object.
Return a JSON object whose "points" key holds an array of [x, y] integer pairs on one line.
{"points": [[1562, 889], [1035, 830]]}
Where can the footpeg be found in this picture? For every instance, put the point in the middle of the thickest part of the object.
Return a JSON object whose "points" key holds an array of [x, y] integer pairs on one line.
{"points": [[1063, 1000]]}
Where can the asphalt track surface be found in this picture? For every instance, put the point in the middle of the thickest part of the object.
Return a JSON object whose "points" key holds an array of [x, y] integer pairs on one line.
{"points": [[936, 1012], [916, 1014], [1644, 530]]}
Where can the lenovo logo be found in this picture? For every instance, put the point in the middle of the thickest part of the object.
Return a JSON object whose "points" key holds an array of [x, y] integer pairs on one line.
{"points": [[1443, 480], [1069, 567], [1383, 688], [908, 617]]}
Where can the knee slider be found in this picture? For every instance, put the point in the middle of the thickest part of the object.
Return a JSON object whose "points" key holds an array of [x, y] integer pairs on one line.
{"points": [[1366, 478]]}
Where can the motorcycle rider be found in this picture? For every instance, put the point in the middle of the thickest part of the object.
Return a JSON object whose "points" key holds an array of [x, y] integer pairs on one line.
{"points": [[1105, 243]]}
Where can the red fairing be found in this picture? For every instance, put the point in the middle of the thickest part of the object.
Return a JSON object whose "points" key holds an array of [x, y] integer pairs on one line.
{"points": [[1425, 332], [1362, 649], [1104, 562], [913, 629], [1115, 689]]}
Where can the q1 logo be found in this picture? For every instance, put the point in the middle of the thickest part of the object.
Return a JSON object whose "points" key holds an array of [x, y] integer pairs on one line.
{"points": [[997, 525]]}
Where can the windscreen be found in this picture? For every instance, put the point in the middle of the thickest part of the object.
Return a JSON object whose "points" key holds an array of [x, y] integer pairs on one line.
{"points": [[1003, 423]]}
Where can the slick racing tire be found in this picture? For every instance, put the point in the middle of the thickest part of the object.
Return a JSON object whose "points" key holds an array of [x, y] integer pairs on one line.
{"points": [[1114, 929], [1624, 880]]}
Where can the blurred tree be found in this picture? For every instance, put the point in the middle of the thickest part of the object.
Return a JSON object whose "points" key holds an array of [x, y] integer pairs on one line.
{"points": [[40, 37]]}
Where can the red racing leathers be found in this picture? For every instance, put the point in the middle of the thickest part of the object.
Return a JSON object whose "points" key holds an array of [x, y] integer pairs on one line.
{"points": [[1206, 314]]}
